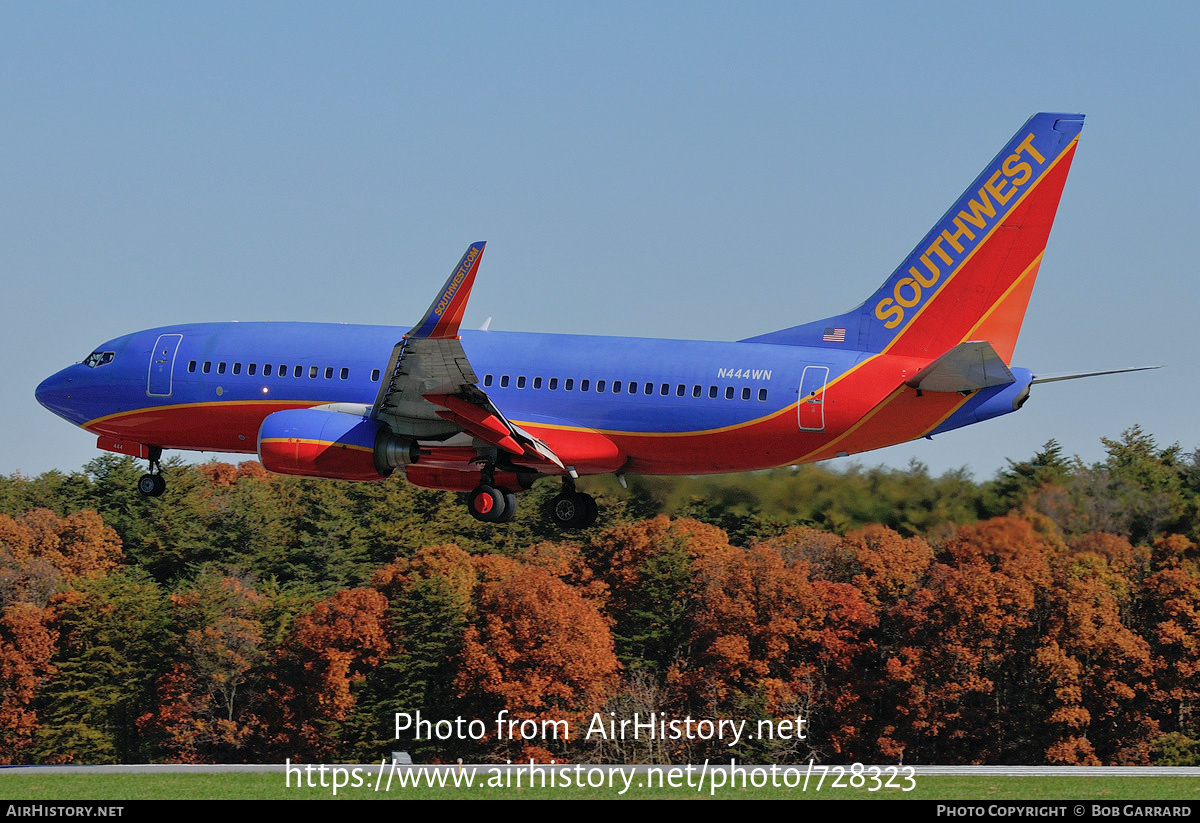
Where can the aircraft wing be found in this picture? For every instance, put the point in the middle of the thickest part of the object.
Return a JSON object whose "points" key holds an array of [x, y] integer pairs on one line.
{"points": [[429, 390]]}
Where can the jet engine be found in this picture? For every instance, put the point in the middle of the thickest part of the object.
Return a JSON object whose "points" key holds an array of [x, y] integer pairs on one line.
{"points": [[323, 443]]}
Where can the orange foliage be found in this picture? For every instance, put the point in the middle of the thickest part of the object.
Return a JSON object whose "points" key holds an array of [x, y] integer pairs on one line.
{"points": [[892, 567], [536, 646], [27, 644], [329, 650], [79, 545], [220, 475]]}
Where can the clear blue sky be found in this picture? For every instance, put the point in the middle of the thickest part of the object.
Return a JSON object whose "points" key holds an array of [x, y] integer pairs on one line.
{"points": [[709, 170]]}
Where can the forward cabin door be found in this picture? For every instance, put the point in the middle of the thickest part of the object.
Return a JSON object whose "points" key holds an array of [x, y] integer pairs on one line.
{"points": [[162, 365], [811, 408]]}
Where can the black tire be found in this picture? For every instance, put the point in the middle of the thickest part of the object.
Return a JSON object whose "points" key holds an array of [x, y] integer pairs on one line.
{"points": [[510, 506], [486, 503], [148, 485], [590, 510], [160, 485], [564, 510]]}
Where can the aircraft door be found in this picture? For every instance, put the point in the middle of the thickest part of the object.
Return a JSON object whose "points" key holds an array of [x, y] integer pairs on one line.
{"points": [[162, 365], [811, 408]]}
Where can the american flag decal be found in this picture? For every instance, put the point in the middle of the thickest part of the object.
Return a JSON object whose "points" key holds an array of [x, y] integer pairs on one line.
{"points": [[834, 336]]}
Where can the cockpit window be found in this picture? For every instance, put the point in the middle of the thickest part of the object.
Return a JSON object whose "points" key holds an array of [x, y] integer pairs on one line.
{"points": [[99, 358]]}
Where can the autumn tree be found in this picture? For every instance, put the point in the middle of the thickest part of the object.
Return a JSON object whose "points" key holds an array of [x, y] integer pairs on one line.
{"points": [[203, 699], [27, 645], [536, 647], [309, 691]]}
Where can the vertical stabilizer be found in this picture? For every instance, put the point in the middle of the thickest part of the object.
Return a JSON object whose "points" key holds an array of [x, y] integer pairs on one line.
{"points": [[971, 276]]}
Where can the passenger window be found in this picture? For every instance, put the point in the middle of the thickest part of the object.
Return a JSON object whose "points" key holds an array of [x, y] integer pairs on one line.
{"points": [[633, 387], [712, 391], [192, 366], [504, 381], [553, 383], [298, 371], [537, 382], [221, 367], [329, 372], [729, 392], [237, 368], [746, 394], [344, 373], [281, 371], [487, 380], [762, 394], [649, 389], [679, 390], [207, 367], [251, 369], [695, 391], [312, 372], [374, 375], [583, 385], [569, 384], [664, 389], [599, 386], [521, 382], [266, 369], [616, 387]]}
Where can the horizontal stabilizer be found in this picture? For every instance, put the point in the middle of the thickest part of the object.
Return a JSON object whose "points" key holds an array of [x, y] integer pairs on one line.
{"points": [[1054, 378], [966, 367]]}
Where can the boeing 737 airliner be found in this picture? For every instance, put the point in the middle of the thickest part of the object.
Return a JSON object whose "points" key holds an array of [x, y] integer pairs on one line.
{"points": [[488, 413]]}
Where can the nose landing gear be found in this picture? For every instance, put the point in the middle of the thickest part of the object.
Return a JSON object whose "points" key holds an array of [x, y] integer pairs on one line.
{"points": [[153, 484]]}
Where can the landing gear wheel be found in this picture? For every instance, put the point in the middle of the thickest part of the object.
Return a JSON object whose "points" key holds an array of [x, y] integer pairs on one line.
{"points": [[152, 485], [573, 510], [510, 506], [591, 510], [487, 504]]}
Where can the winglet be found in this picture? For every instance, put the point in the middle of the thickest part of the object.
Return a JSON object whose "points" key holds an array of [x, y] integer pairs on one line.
{"points": [[442, 320]]}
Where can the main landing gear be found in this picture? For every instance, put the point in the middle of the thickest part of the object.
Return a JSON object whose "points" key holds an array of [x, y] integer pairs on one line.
{"points": [[571, 509], [153, 484], [488, 503], [491, 505]]}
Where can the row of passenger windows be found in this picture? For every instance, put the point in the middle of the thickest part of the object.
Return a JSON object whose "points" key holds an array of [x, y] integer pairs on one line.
{"points": [[568, 384], [632, 387], [269, 368]]}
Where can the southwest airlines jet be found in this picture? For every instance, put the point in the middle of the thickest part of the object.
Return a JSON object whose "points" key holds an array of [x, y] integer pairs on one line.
{"points": [[489, 413]]}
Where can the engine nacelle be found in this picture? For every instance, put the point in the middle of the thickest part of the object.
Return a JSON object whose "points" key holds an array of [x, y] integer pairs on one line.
{"points": [[322, 443]]}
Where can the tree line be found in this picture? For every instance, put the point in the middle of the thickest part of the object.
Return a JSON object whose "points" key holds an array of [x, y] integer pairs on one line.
{"points": [[1050, 614]]}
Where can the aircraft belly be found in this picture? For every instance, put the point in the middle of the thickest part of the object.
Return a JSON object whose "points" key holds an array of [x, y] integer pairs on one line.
{"points": [[226, 427]]}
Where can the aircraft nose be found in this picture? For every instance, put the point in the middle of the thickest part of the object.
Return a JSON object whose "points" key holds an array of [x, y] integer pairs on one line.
{"points": [[55, 393]]}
